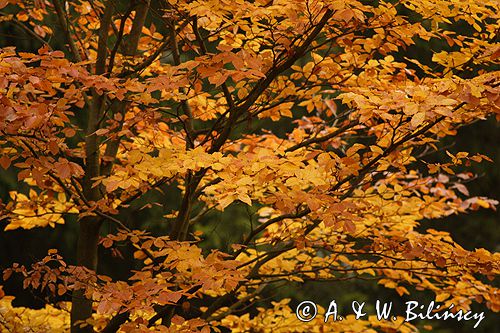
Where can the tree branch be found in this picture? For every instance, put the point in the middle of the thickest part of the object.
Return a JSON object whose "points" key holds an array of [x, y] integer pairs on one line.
{"points": [[323, 138], [61, 15], [264, 83]]}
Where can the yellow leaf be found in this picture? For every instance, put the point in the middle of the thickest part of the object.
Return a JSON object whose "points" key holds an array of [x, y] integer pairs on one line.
{"points": [[417, 119], [483, 203], [245, 198], [226, 201], [446, 101], [377, 149], [442, 297]]}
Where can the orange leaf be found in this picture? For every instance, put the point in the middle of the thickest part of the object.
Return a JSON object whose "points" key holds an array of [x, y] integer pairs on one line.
{"points": [[5, 161], [349, 226]]}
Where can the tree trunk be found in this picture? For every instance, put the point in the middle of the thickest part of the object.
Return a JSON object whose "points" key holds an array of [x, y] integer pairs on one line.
{"points": [[88, 237], [86, 256]]}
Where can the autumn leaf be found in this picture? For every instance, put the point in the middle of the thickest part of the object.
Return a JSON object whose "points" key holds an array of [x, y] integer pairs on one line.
{"points": [[5, 162], [220, 150], [417, 119]]}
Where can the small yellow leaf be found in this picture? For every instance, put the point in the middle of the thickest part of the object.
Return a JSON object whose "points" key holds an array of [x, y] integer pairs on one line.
{"points": [[442, 297], [377, 149], [245, 198], [417, 119], [446, 101], [483, 203]]}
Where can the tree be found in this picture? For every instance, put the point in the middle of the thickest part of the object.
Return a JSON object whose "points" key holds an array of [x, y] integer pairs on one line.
{"points": [[308, 112]]}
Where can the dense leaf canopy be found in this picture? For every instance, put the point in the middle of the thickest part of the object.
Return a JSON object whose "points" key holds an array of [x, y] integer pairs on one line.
{"points": [[318, 116]]}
